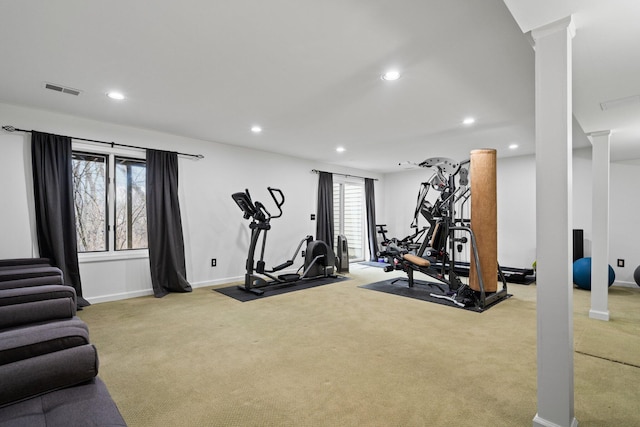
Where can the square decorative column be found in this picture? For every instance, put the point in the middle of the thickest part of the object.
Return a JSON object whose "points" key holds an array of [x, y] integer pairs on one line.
{"points": [[600, 167], [554, 224]]}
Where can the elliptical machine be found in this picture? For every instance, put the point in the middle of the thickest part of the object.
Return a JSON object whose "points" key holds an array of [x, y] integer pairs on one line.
{"points": [[319, 258]]}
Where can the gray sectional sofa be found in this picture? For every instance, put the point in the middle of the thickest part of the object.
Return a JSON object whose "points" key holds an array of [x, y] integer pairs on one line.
{"points": [[48, 366]]}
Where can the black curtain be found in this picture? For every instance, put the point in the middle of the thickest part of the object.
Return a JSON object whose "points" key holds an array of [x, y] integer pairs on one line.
{"points": [[51, 158], [370, 202], [164, 225], [324, 223]]}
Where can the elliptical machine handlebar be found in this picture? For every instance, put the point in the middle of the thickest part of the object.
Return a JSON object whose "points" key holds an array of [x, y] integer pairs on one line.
{"points": [[257, 210], [262, 214], [278, 198]]}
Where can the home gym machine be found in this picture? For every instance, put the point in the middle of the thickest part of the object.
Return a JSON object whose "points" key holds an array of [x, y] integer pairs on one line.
{"points": [[433, 212], [319, 258], [431, 250]]}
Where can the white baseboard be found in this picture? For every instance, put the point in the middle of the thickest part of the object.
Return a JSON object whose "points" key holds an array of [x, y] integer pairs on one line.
{"points": [[147, 292], [625, 284], [120, 296], [541, 422], [599, 315], [216, 282]]}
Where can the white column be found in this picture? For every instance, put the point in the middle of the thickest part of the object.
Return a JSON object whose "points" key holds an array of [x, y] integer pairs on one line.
{"points": [[600, 225], [554, 224]]}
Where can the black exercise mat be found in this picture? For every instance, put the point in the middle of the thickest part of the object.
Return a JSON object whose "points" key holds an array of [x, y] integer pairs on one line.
{"points": [[374, 264], [422, 290], [244, 296], [526, 281]]}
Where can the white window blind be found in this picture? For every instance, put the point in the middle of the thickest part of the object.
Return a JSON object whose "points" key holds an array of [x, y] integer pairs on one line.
{"points": [[349, 216]]}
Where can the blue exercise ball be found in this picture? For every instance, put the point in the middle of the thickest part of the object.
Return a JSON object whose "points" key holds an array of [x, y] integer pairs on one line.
{"points": [[582, 273]]}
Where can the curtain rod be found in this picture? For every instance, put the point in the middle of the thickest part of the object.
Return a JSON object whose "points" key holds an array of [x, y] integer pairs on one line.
{"points": [[112, 144], [344, 174]]}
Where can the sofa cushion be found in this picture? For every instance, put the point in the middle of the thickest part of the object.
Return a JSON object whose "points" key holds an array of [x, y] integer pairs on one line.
{"points": [[20, 295], [31, 377], [88, 404], [30, 276], [23, 262], [35, 340], [33, 304], [37, 311]]}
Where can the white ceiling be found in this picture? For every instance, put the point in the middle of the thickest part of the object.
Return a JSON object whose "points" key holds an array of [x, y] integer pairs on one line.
{"points": [[308, 71]]}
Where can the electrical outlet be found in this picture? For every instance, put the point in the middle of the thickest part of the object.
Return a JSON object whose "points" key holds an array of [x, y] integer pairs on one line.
{"points": [[303, 254], [620, 262], [214, 262], [313, 217]]}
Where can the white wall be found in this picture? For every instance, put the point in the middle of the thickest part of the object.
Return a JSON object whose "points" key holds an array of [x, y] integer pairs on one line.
{"points": [[214, 228], [624, 230], [624, 207], [16, 198], [400, 201], [582, 189], [212, 223], [516, 211]]}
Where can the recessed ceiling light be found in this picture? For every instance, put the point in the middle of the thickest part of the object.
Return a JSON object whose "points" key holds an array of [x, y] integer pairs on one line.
{"points": [[115, 95], [340, 149], [469, 121], [513, 146], [391, 75], [256, 129]]}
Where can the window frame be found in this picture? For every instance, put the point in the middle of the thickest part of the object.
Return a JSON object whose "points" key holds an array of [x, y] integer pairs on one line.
{"points": [[339, 219], [111, 254], [115, 200], [84, 153]]}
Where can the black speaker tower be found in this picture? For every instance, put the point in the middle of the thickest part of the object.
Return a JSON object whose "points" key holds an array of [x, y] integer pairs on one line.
{"points": [[578, 244]]}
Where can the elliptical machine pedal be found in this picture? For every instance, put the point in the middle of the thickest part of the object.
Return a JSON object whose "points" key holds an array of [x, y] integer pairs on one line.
{"points": [[293, 277]]}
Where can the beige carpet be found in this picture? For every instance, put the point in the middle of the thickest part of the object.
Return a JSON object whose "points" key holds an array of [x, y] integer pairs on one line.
{"points": [[618, 339], [340, 355]]}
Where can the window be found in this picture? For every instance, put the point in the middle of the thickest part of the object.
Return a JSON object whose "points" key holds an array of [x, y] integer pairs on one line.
{"points": [[131, 208], [349, 215], [90, 201], [105, 218]]}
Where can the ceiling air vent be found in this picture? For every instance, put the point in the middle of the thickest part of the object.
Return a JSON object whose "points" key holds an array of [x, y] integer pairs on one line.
{"points": [[63, 89]]}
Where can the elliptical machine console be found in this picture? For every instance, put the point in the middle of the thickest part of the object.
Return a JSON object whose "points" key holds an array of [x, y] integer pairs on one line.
{"points": [[319, 259]]}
